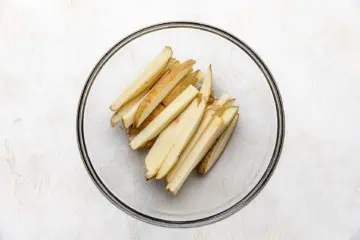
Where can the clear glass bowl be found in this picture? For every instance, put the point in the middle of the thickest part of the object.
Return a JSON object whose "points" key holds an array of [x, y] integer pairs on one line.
{"points": [[248, 161]]}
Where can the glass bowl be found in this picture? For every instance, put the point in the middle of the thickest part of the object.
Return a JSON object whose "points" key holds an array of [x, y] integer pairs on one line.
{"points": [[246, 164]]}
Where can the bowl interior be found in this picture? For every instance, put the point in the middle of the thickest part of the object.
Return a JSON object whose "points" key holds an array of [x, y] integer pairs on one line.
{"points": [[240, 167]]}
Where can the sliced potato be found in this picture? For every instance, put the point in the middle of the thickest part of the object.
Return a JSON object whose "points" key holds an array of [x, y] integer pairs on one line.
{"points": [[157, 154], [190, 120], [215, 152], [182, 85], [209, 113], [206, 86], [218, 106], [207, 139], [170, 113], [205, 142], [165, 142], [167, 82], [145, 80], [117, 117], [206, 120]]}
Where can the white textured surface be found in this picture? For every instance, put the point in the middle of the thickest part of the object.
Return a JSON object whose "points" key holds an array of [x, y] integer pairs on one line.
{"points": [[48, 48]]}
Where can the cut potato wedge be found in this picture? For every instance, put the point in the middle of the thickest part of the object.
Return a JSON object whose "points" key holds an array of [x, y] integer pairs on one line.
{"points": [[212, 132], [209, 113], [215, 152], [206, 120], [190, 145], [167, 82], [117, 117], [169, 114], [189, 79], [189, 122], [145, 80], [206, 86], [207, 139], [157, 154]]}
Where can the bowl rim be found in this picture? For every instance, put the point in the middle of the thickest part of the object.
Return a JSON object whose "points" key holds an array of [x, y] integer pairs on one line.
{"points": [[201, 221]]}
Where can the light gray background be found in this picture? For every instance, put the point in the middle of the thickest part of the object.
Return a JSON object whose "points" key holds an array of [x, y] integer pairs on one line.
{"points": [[48, 48]]}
